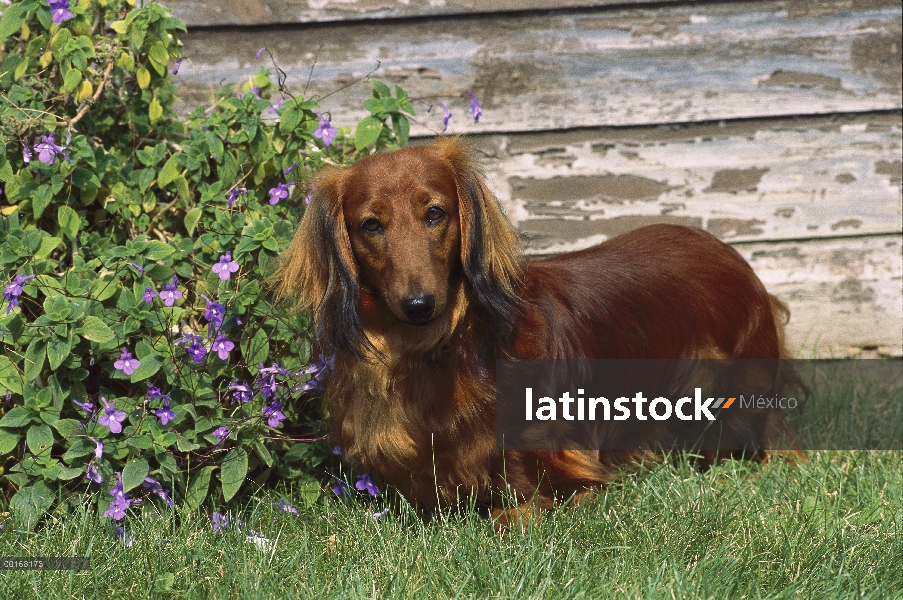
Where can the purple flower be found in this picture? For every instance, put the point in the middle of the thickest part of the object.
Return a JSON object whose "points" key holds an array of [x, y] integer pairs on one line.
{"points": [[279, 192], [214, 314], [317, 371], [85, 406], [340, 488], [220, 521], [266, 380], [446, 116], [120, 502], [260, 52], [111, 417], [283, 506], [92, 474], [171, 294], [195, 349], [14, 290], [275, 106], [125, 536], [222, 346], [165, 414], [175, 69], [325, 131], [378, 515], [241, 391], [474, 108], [291, 168], [365, 484], [98, 448], [126, 363], [149, 294], [137, 267], [225, 267], [59, 11], [26, 153], [273, 412], [220, 433], [48, 149], [233, 195], [156, 487]]}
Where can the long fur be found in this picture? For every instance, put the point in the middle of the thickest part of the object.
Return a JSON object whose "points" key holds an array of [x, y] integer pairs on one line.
{"points": [[414, 404]]}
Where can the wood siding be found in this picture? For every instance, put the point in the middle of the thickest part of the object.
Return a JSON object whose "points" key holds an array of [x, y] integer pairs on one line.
{"points": [[776, 126]]}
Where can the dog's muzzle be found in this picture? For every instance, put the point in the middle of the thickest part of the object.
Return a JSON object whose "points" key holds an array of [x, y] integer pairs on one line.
{"points": [[419, 308]]}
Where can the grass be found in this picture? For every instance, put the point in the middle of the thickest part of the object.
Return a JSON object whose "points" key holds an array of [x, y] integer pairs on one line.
{"points": [[831, 527]]}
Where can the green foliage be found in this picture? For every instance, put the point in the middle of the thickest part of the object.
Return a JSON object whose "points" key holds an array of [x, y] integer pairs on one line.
{"points": [[115, 215]]}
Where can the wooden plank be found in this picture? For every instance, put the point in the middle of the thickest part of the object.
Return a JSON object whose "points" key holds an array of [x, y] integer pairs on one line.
{"points": [[630, 66], [273, 12], [757, 180], [844, 295]]}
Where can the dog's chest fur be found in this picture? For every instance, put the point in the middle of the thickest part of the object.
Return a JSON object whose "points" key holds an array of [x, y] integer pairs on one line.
{"points": [[417, 423]]}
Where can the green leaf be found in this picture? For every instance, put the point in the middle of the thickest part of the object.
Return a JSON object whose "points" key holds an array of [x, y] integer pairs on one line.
{"points": [[80, 447], [58, 350], [402, 128], [169, 172], [48, 245], [257, 348], [150, 364], [8, 441], [159, 55], [66, 427], [94, 329], [380, 88], [232, 471], [154, 110], [198, 487], [39, 439], [120, 27], [71, 79], [367, 132], [10, 378], [143, 76], [30, 503], [34, 359], [41, 199], [192, 218], [67, 473], [69, 221], [133, 474], [18, 416], [13, 17], [158, 250]]}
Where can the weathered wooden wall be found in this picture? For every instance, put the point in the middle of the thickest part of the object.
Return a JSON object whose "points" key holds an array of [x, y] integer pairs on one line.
{"points": [[774, 125]]}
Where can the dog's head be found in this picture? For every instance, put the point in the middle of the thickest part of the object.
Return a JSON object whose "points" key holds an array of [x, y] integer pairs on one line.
{"points": [[397, 244]]}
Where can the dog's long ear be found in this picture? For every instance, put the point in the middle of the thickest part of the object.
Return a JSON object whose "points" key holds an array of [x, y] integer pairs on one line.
{"points": [[318, 270], [489, 247]]}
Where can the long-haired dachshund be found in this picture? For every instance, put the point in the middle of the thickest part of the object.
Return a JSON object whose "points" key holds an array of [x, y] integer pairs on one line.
{"points": [[415, 281]]}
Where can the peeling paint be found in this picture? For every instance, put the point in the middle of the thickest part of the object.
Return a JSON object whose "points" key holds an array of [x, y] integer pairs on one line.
{"points": [[737, 180], [796, 79], [894, 169], [728, 228], [846, 224], [607, 188]]}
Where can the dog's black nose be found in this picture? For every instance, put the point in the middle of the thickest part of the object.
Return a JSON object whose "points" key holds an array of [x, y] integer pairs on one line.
{"points": [[419, 308]]}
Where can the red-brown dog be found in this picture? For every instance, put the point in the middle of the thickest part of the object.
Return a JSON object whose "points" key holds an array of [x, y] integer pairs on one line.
{"points": [[415, 281]]}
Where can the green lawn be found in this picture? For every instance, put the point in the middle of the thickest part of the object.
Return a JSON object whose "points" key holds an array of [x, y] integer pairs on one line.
{"points": [[830, 527]]}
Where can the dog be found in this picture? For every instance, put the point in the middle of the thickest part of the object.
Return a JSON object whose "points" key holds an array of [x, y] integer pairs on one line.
{"points": [[415, 281]]}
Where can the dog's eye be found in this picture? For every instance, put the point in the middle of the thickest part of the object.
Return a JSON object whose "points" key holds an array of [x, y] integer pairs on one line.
{"points": [[434, 214], [372, 225]]}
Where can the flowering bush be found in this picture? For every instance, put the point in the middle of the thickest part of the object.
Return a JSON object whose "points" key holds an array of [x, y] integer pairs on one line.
{"points": [[140, 354]]}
